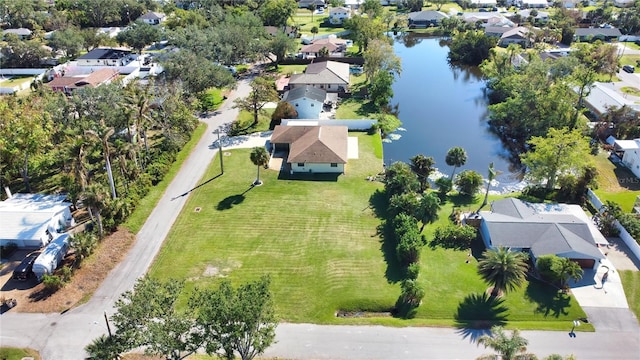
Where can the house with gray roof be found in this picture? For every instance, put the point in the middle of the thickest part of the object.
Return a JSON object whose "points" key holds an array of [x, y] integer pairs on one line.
{"points": [[152, 18], [563, 230], [22, 33], [425, 19], [307, 100], [313, 149], [593, 34], [331, 76]]}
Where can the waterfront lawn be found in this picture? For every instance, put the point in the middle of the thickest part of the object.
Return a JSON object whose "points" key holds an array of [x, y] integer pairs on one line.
{"points": [[319, 242], [616, 183]]}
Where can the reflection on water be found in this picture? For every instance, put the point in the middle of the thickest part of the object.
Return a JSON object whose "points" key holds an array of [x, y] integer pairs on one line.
{"points": [[442, 106]]}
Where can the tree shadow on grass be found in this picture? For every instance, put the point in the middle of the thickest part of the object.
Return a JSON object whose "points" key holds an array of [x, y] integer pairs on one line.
{"points": [[550, 300], [462, 200], [479, 311], [395, 271], [230, 201], [379, 203]]}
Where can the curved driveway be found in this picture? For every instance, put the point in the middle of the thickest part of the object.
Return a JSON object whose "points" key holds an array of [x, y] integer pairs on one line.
{"points": [[64, 336]]}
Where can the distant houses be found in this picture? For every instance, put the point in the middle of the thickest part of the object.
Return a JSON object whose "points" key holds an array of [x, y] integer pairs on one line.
{"points": [[105, 57], [21, 33], [425, 19], [337, 15], [152, 18]]}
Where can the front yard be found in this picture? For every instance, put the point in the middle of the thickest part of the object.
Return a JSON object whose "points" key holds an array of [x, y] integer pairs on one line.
{"points": [[319, 242]]}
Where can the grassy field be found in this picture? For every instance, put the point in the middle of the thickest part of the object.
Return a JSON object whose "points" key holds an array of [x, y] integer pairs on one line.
{"points": [[304, 20], [319, 242], [616, 183], [7, 353]]}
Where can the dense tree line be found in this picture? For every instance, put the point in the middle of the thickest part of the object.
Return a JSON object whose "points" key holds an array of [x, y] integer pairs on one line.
{"points": [[102, 146]]}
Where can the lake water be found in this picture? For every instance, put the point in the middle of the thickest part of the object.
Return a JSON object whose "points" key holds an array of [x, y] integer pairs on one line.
{"points": [[440, 107]]}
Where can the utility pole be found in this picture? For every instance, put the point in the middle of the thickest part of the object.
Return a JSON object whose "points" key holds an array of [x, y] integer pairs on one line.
{"points": [[220, 152], [106, 320]]}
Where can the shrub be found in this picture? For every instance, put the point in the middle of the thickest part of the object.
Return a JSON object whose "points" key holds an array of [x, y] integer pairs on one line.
{"points": [[454, 237], [631, 224], [65, 274], [413, 270], [283, 110], [52, 282], [469, 182]]}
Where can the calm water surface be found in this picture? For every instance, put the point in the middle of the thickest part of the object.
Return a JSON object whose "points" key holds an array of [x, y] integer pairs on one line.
{"points": [[441, 107]]}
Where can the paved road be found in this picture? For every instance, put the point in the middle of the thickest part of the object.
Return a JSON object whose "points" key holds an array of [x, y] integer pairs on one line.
{"points": [[63, 336]]}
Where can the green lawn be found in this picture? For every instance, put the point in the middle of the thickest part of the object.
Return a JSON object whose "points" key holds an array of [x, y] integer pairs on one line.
{"points": [[304, 20], [319, 242], [631, 283], [616, 183], [7, 353], [244, 122]]}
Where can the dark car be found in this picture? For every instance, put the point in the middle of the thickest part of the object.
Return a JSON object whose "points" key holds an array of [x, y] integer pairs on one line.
{"points": [[24, 271], [629, 68]]}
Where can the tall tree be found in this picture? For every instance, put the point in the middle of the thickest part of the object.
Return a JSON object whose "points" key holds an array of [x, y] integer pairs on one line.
{"points": [[468, 182], [68, 40], [238, 320], [260, 158], [508, 348], [263, 91], [363, 30], [196, 73], [398, 179], [559, 152], [470, 47], [103, 137], [503, 269], [491, 175], [147, 316], [278, 12], [428, 208], [95, 199], [281, 44], [312, 7], [456, 157], [423, 167], [380, 57], [139, 35], [373, 8]]}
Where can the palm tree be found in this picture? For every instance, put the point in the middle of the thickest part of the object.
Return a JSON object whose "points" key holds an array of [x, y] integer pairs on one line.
{"points": [[312, 8], [104, 348], [568, 269], [94, 199], [422, 166], [259, 157], [456, 157], [492, 175], [428, 208], [508, 348], [412, 292], [503, 269], [104, 139]]}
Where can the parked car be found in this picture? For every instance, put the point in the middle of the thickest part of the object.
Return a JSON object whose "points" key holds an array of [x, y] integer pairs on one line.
{"points": [[25, 270], [629, 68]]}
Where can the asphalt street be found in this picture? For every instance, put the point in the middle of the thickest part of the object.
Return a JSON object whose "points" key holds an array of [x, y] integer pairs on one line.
{"points": [[64, 336]]}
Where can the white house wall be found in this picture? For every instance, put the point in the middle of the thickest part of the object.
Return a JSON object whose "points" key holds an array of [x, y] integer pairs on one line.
{"points": [[316, 168], [631, 159]]}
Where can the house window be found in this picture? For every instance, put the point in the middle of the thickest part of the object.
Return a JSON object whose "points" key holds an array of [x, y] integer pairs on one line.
{"points": [[334, 165], [300, 164]]}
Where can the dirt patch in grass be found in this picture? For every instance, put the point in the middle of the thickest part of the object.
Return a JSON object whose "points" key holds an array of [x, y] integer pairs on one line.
{"points": [[33, 297]]}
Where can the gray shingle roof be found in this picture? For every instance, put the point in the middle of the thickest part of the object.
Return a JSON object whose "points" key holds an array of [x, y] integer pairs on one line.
{"points": [[324, 72], [428, 15], [597, 31], [518, 224], [307, 91]]}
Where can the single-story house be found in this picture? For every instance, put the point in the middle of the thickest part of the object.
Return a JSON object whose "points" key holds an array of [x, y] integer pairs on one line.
{"points": [[484, 3], [602, 97], [425, 19], [331, 76], [307, 100], [623, 3], [68, 84], [487, 18], [519, 35], [335, 47], [313, 149], [630, 150], [337, 15], [152, 18], [539, 4], [105, 57], [32, 220], [543, 229], [592, 34], [22, 33], [541, 16], [304, 4]]}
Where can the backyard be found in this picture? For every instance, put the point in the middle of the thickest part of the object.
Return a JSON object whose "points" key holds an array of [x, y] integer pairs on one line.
{"points": [[319, 242]]}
